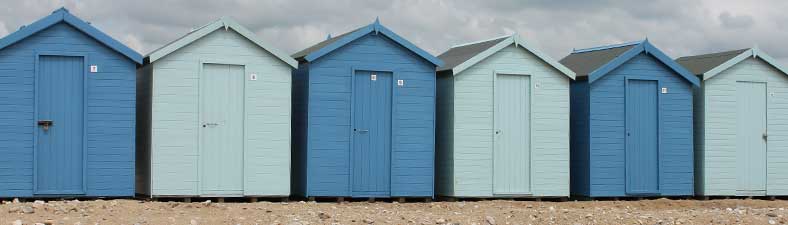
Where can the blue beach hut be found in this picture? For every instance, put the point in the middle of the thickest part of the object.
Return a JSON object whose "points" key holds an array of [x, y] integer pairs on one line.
{"points": [[67, 109], [364, 117], [630, 122]]}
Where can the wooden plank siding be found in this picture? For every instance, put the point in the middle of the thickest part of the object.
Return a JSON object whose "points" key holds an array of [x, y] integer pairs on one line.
{"points": [[607, 129], [175, 155], [470, 125], [328, 114], [110, 115], [717, 135]]}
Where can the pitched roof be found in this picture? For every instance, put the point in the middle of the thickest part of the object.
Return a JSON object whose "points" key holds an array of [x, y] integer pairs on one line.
{"points": [[585, 61], [708, 65], [318, 46], [323, 48], [226, 23], [462, 57], [62, 15], [700, 64], [461, 53], [598, 62]]}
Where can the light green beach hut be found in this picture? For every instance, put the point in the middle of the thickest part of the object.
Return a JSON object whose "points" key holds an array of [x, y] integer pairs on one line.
{"points": [[741, 134], [502, 121], [214, 116]]}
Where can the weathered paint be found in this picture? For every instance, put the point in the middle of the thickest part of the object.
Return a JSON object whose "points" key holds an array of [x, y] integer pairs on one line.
{"points": [[466, 109], [325, 103], [175, 150], [100, 159], [600, 157], [717, 144]]}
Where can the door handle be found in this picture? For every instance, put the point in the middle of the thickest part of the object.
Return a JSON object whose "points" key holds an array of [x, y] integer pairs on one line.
{"points": [[45, 124], [498, 132], [765, 136], [210, 124], [360, 131]]}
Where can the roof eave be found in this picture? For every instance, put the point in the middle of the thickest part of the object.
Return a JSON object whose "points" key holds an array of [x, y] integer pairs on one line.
{"points": [[62, 15], [377, 28], [646, 47], [225, 23]]}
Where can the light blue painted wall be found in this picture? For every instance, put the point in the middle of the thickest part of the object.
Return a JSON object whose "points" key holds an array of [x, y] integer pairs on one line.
{"points": [[471, 126], [328, 117], [174, 144], [607, 130], [110, 114], [717, 130]]}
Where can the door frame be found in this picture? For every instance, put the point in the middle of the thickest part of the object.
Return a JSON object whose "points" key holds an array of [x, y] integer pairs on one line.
{"points": [[200, 149], [394, 93], [36, 77], [765, 82], [627, 188], [532, 86]]}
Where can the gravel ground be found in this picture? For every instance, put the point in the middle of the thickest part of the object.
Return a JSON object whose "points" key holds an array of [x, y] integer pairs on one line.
{"points": [[660, 211]]}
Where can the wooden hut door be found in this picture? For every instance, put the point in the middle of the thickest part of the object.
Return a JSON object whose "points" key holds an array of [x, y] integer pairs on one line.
{"points": [[60, 134], [512, 139], [371, 154], [222, 136], [642, 131], [751, 138]]}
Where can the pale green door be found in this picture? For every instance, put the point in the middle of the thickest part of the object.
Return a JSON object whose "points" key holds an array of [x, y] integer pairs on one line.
{"points": [[751, 138], [222, 136], [512, 139]]}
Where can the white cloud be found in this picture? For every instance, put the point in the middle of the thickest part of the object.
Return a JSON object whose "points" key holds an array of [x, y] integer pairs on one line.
{"points": [[3, 29]]}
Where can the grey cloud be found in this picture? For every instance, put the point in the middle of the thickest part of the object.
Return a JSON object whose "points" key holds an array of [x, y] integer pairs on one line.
{"points": [[736, 21], [678, 27]]}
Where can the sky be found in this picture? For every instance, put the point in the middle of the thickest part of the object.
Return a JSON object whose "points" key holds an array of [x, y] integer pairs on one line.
{"points": [[678, 27]]}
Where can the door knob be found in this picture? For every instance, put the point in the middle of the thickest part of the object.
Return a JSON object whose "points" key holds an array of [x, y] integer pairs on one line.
{"points": [[45, 124], [497, 131], [765, 136]]}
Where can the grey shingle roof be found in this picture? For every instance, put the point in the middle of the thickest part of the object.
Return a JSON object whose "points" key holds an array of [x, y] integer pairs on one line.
{"points": [[318, 46], [584, 62], [700, 64], [459, 54]]}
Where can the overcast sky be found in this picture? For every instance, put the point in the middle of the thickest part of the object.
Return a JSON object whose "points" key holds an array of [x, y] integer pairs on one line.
{"points": [[678, 27]]}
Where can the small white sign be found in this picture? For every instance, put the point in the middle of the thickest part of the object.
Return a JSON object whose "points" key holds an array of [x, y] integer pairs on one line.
{"points": [[373, 77], [93, 68], [400, 83], [253, 76], [664, 90]]}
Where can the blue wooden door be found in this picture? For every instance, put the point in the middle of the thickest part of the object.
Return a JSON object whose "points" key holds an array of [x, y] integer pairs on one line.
{"points": [[222, 138], [371, 134], [60, 113], [642, 154], [512, 138], [751, 138]]}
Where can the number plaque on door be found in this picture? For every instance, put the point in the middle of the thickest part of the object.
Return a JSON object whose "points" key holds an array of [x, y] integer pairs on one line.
{"points": [[373, 77]]}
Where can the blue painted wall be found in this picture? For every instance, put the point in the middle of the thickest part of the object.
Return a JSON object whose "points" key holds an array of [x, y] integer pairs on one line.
{"points": [[578, 137], [325, 114], [606, 132], [110, 115]]}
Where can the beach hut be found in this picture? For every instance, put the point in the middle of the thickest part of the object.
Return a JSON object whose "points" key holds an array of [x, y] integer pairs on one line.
{"points": [[214, 116], [741, 141], [503, 121], [364, 117], [67, 111], [631, 122]]}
